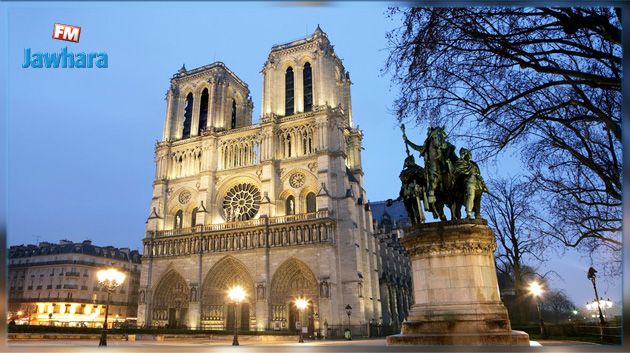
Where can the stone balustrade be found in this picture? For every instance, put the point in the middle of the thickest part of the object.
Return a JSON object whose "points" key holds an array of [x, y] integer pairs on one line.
{"points": [[292, 230]]}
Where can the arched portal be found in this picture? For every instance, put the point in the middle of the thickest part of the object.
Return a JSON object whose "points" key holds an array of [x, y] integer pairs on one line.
{"points": [[170, 301], [293, 279], [216, 310]]}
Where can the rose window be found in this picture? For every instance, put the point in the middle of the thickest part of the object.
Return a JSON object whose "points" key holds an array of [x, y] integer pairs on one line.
{"points": [[241, 202], [296, 180]]}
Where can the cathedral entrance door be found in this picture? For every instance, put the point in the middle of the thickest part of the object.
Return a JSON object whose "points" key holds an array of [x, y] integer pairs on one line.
{"points": [[230, 317], [293, 317], [244, 324], [172, 317], [307, 318]]}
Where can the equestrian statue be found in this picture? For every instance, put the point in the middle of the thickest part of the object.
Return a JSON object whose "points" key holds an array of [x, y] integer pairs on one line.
{"points": [[446, 179]]}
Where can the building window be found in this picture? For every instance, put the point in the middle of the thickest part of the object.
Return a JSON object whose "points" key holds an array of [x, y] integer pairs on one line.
{"points": [[233, 121], [203, 111], [311, 202], [179, 220], [187, 115], [290, 205], [193, 219], [288, 91], [307, 76]]}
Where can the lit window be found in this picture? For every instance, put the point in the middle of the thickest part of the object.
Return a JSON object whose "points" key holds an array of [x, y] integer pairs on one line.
{"points": [[179, 220]]}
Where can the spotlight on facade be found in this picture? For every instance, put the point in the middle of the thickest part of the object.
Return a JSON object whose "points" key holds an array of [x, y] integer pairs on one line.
{"points": [[109, 279]]}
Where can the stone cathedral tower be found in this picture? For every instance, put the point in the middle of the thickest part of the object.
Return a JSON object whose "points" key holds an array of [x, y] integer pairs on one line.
{"points": [[277, 207]]}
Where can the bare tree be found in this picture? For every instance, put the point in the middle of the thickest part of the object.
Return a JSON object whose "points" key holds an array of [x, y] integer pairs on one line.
{"points": [[543, 81], [512, 217], [559, 304]]}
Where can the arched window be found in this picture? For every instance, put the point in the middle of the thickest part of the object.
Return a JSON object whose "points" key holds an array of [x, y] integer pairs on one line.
{"points": [[288, 91], [193, 218], [311, 202], [187, 116], [290, 205], [203, 111], [233, 122], [179, 220], [307, 76]]}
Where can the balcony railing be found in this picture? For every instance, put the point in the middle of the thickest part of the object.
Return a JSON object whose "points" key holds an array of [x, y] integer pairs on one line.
{"points": [[242, 224], [292, 230]]}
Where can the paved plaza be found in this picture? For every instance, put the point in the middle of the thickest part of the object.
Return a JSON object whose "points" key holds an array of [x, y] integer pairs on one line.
{"points": [[358, 345]]}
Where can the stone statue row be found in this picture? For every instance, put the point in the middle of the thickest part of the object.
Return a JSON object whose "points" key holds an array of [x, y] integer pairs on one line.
{"points": [[445, 180]]}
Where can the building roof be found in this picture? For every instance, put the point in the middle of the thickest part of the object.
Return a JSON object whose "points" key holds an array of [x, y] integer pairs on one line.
{"points": [[183, 73], [68, 247], [396, 213], [318, 33]]}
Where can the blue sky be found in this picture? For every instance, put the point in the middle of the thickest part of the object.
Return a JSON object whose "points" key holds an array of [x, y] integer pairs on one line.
{"points": [[80, 142]]}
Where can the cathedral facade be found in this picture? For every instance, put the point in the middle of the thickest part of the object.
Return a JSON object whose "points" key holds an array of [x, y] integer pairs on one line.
{"points": [[277, 207]]}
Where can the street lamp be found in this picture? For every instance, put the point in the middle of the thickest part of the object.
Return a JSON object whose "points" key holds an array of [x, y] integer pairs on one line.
{"points": [[536, 290], [236, 294], [349, 312], [301, 304], [592, 275], [109, 279]]}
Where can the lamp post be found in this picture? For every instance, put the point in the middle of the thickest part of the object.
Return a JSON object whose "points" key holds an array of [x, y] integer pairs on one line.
{"points": [[349, 312], [592, 275], [109, 279], [536, 290], [301, 304], [236, 294]]}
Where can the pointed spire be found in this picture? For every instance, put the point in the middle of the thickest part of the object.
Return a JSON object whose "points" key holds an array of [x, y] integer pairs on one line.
{"points": [[318, 30]]}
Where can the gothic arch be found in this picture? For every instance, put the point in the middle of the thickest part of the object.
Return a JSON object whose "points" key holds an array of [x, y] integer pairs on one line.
{"points": [[291, 280], [289, 91], [225, 274], [189, 103], [175, 205], [170, 300]]}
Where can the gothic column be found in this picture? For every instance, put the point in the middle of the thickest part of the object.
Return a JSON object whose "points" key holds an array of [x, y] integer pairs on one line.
{"points": [[298, 89], [223, 101], [194, 124], [178, 119], [166, 134], [212, 116]]}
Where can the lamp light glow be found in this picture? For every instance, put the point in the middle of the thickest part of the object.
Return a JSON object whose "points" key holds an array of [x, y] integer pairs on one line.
{"points": [[236, 294]]}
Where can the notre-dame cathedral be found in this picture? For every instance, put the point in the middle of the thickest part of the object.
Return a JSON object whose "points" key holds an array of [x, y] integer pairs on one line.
{"points": [[277, 207]]}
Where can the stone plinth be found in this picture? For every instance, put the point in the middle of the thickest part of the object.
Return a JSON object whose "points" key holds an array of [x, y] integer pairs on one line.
{"points": [[455, 287]]}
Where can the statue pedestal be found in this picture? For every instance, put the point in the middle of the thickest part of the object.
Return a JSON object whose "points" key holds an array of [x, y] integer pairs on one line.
{"points": [[455, 288]]}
